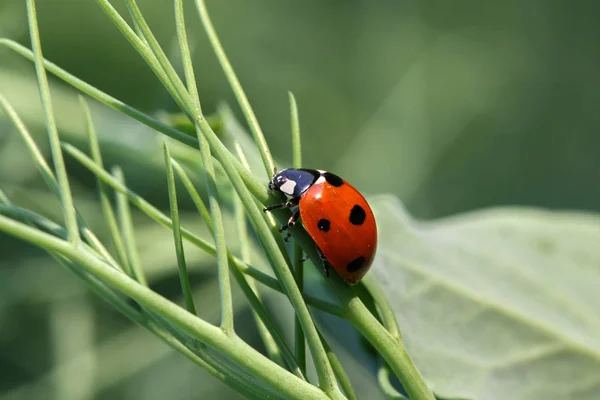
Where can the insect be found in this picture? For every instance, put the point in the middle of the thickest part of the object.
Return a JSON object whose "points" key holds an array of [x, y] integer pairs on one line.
{"points": [[334, 214]]}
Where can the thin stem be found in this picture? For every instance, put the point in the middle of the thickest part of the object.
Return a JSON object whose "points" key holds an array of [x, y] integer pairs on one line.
{"points": [[392, 350], [205, 164], [50, 179], [298, 254], [295, 123], [326, 375], [383, 377], [103, 97], [257, 133], [339, 371], [197, 241], [242, 230], [388, 317], [61, 172], [184, 278], [249, 290], [280, 267], [107, 210], [134, 268], [232, 347]]}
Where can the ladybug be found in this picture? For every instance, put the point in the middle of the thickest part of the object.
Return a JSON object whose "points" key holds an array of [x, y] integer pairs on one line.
{"points": [[334, 214]]}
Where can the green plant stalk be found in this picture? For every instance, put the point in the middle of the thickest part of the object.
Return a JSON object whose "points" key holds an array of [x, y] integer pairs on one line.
{"points": [[231, 346], [286, 278], [259, 189], [61, 172], [252, 184], [238, 91], [184, 278], [32, 218], [50, 179], [215, 368], [339, 371], [103, 97], [374, 332], [284, 275], [269, 342], [384, 309], [391, 350], [206, 165], [298, 255], [267, 217], [383, 377], [103, 191], [133, 268], [165, 221], [57, 230], [257, 306]]}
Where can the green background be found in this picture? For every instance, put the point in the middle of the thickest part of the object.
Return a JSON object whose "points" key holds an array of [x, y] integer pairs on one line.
{"points": [[450, 106]]}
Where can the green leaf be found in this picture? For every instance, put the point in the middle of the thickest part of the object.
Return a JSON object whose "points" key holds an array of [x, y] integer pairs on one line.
{"points": [[496, 304]]}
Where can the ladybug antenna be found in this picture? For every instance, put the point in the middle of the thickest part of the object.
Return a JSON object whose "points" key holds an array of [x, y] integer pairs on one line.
{"points": [[274, 171]]}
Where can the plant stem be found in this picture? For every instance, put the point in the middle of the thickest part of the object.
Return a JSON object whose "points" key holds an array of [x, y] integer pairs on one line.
{"points": [[234, 82], [165, 221], [205, 163], [184, 278], [66, 198], [107, 210], [231, 346], [126, 224], [298, 254]]}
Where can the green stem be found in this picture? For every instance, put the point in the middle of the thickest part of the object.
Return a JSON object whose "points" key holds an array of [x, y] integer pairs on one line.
{"points": [[126, 224], [298, 253], [324, 370], [241, 97], [50, 179], [258, 308], [205, 162], [66, 198], [184, 278], [107, 210], [392, 350], [197, 241], [231, 346]]}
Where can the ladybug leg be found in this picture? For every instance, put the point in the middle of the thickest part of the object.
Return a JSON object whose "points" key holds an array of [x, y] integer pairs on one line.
{"points": [[305, 258], [291, 222], [325, 262], [287, 204]]}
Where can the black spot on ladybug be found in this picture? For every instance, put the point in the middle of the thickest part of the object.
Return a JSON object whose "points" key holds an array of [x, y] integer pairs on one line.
{"points": [[324, 225], [355, 264], [357, 215], [333, 179]]}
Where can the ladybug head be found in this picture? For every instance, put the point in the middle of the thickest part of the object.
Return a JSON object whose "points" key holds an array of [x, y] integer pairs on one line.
{"points": [[293, 182], [283, 183]]}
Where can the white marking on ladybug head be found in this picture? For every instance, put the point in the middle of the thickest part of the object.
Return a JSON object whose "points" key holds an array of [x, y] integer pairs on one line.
{"points": [[288, 187]]}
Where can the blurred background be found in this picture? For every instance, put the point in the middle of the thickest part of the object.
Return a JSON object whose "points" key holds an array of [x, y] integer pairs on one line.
{"points": [[449, 106]]}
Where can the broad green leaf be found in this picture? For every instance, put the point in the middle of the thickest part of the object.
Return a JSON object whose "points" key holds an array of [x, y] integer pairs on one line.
{"points": [[496, 304]]}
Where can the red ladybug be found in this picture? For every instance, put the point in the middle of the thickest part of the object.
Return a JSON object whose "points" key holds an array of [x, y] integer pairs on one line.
{"points": [[335, 215]]}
